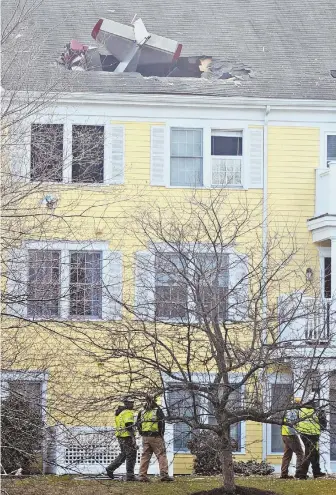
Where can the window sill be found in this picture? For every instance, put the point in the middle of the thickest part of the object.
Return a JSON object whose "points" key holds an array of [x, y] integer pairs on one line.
{"points": [[71, 318], [235, 187], [75, 184]]}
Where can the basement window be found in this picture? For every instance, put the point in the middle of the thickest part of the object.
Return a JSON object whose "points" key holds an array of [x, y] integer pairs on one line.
{"points": [[331, 149], [87, 153], [226, 158], [46, 153]]}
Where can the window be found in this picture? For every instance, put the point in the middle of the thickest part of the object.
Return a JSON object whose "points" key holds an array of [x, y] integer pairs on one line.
{"points": [[234, 402], [182, 403], [79, 280], [46, 152], [85, 284], [186, 157], [281, 395], [211, 282], [44, 285], [331, 148], [171, 291], [87, 153], [327, 278], [226, 158], [197, 287]]}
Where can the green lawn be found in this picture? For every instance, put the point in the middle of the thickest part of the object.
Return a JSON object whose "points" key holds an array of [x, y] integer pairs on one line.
{"points": [[52, 485]]}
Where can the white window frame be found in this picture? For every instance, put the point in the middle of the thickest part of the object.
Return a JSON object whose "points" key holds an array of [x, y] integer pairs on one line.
{"points": [[223, 126], [27, 375], [273, 378], [68, 122], [228, 133], [325, 131], [324, 252], [66, 247], [203, 378], [168, 249]]}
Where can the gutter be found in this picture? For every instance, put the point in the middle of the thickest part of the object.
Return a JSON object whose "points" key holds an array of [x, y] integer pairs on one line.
{"points": [[264, 254], [182, 100]]}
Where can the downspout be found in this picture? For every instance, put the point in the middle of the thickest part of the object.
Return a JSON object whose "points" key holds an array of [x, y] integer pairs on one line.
{"points": [[264, 254]]}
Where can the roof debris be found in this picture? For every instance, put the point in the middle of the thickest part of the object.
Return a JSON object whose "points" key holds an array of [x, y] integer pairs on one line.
{"points": [[122, 48]]}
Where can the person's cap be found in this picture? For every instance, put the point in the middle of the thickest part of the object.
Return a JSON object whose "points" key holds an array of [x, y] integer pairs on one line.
{"points": [[128, 400], [297, 399]]}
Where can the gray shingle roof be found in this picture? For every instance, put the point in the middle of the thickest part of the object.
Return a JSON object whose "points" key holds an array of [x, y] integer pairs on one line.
{"points": [[289, 44]]}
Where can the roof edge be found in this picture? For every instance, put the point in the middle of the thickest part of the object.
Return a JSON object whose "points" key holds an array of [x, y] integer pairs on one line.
{"points": [[180, 100]]}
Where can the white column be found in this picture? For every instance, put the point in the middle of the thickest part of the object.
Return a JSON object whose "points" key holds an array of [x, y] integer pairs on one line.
{"points": [[333, 267], [325, 436]]}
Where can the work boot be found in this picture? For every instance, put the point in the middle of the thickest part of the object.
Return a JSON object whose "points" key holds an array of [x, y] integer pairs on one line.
{"points": [[286, 477], [130, 477], [167, 478], [144, 479], [319, 475], [110, 474]]}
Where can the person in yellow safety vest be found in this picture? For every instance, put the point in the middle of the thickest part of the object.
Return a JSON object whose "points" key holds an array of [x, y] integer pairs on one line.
{"points": [[124, 422], [151, 426], [310, 425], [292, 444]]}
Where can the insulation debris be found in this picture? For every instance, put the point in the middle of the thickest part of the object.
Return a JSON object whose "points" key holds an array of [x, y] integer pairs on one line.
{"points": [[121, 48]]}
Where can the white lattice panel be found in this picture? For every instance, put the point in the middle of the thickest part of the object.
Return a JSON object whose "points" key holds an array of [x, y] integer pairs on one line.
{"points": [[88, 451]]}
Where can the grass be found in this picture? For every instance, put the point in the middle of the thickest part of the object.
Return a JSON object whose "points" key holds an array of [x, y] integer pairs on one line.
{"points": [[64, 485]]}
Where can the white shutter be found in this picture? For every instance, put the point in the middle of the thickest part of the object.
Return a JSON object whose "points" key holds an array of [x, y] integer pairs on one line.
{"points": [[112, 285], [238, 287], [118, 154], [256, 157], [158, 155], [293, 314], [16, 276], [144, 304]]}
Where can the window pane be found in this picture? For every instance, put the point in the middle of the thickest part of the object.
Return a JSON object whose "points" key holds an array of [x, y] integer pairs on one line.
{"points": [[23, 406], [331, 148], [186, 172], [226, 145], [281, 394], [182, 404], [85, 284], [46, 152], [171, 290], [211, 279], [43, 283], [186, 164], [327, 278], [87, 153]]}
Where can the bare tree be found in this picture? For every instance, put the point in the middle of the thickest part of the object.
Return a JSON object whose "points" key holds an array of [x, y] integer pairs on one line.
{"points": [[216, 313]]}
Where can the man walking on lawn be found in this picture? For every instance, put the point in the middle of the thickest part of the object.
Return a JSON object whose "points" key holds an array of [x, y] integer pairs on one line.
{"points": [[292, 444], [311, 423], [151, 426], [124, 421]]}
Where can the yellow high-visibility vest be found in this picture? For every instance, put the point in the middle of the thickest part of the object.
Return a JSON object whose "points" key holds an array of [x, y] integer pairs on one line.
{"points": [[285, 429], [309, 423], [149, 422], [126, 416]]}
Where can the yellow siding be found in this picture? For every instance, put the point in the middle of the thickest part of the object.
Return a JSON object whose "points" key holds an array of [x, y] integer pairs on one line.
{"points": [[183, 463], [293, 156]]}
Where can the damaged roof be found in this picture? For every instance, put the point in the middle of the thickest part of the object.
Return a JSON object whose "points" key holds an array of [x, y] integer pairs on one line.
{"points": [[289, 45]]}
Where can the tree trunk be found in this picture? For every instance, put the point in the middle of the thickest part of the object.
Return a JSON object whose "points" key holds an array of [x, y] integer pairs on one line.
{"points": [[227, 464]]}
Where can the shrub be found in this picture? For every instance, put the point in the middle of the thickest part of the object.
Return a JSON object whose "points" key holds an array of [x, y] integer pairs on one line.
{"points": [[205, 447]]}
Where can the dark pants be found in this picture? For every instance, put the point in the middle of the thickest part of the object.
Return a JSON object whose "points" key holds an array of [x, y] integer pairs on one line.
{"points": [[127, 453], [312, 455], [292, 445]]}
